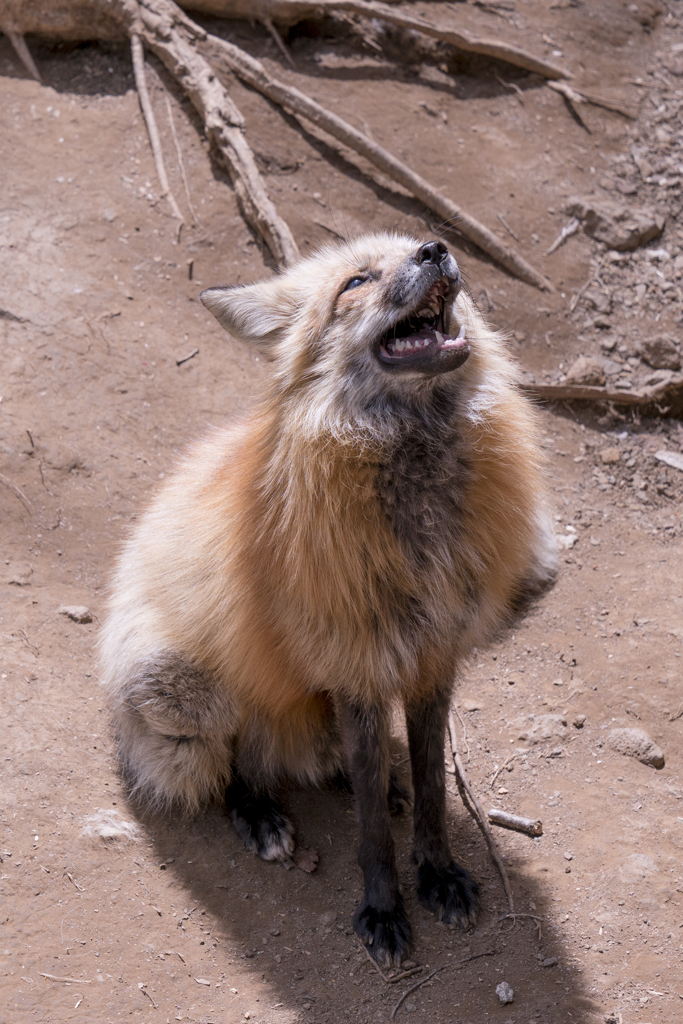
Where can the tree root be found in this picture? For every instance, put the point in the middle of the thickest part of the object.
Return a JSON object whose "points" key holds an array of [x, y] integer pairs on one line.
{"points": [[252, 71], [172, 36], [23, 53]]}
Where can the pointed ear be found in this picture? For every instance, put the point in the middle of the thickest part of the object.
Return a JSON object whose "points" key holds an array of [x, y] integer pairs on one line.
{"points": [[254, 312]]}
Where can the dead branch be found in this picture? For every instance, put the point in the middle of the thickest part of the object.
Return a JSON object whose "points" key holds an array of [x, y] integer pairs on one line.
{"points": [[23, 53], [165, 29], [279, 42], [17, 491], [150, 120], [475, 809], [664, 397], [253, 72], [515, 822]]}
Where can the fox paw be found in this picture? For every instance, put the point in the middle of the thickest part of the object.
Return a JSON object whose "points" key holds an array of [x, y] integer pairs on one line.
{"points": [[387, 934], [450, 892]]}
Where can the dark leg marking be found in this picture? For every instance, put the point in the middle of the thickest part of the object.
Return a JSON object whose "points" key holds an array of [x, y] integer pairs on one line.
{"points": [[260, 821], [442, 885], [398, 797], [380, 921]]}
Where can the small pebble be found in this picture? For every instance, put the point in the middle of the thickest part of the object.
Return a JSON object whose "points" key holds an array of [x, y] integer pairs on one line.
{"points": [[568, 855], [410, 1007], [76, 612], [550, 961], [505, 992], [579, 721]]}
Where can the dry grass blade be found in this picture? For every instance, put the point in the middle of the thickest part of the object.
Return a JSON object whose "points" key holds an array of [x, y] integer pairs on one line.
{"points": [[17, 491], [67, 981]]}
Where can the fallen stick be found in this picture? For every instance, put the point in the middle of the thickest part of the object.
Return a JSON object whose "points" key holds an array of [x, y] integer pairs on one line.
{"points": [[475, 809], [573, 99], [67, 981], [668, 391], [181, 162], [152, 130], [567, 231], [23, 53], [515, 822], [186, 359], [428, 977], [252, 71]]}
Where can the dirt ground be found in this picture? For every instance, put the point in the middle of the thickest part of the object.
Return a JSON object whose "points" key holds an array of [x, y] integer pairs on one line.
{"points": [[173, 921]]}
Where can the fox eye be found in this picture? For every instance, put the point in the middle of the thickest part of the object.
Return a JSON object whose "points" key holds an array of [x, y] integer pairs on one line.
{"points": [[354, 282]]}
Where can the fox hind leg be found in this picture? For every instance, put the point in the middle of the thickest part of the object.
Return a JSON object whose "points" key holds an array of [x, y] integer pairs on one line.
{"points": [[174, 729], [260, 820]]}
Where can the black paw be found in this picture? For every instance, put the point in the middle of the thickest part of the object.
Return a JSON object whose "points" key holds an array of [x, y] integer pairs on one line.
{"points": [[261, 823], [398, 797], [450, 892], [387, 934]]}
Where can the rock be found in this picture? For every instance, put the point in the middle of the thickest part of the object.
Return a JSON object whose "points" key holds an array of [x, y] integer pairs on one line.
{"points": [[19, 574], [410, 1007], [541, 728], [579, 721], [636, 743], [586, 371], [673, 459], [568, 855], [565, 541], [610, 456], [471, 705], [599, 300], [640, 154], [620, 227], [505, 992], [76, 612], [550, 961], [636, 867], [625, 187], [660, 352]]}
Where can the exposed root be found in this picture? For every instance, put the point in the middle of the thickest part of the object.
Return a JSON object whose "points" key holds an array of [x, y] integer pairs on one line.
{"points": [[148, 114], [17, 491], [252, 71], [279, 42], [181, 162], [23, 53]]}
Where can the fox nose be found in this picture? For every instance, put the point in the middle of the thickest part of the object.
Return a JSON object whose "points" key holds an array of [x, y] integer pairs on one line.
{"points": [[432, 252]]}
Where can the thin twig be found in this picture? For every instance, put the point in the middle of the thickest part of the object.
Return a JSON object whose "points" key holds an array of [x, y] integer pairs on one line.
{"points": [[510, 85], [577, 96], [573, 100], [677, 714], [504, 765], [17, 491], [67, 981], [507, 227], [186, 359], [181, 162], [254, 73], [475, 809], [428, 977], [373, 962], [464, 732], [534, 917], [23, 53], [567, 231], [143, 989], [404, 974], [148, 114], [279, 42]]}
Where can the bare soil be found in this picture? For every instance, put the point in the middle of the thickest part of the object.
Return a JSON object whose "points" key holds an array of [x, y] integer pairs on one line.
{"points": [[177, 922]]}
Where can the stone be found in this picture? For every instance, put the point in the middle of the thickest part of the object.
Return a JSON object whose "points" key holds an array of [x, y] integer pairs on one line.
{"points": [[599, 300], [550, 961], [610, 456], [586, 371], [640, 159], [623, 228], [410, 1007], [660, 352], [579, 721], [636, 743], [505, 992], [471, 705], [76, 612], [673, 459], [541, 728]]}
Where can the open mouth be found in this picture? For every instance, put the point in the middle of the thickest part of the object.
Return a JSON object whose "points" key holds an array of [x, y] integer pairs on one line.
{"points": [[422, 341]]}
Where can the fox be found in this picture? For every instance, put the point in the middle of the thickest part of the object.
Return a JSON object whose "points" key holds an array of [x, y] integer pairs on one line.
{"points": [[333, 555]]}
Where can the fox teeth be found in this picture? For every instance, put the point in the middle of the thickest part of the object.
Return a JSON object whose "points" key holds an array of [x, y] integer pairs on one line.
{"points": [[461, 333], [439, 337], [399, 346]]}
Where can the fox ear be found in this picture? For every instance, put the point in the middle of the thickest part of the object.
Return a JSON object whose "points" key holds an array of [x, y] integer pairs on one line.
{"points": [[254, 312]]}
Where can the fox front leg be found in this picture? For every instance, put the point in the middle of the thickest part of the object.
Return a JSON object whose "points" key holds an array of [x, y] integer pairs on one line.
{"points": [[442, 885], [380, 921]]}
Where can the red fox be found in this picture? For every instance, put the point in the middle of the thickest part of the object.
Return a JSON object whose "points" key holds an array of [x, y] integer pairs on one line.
{"points": [[339, 552]]}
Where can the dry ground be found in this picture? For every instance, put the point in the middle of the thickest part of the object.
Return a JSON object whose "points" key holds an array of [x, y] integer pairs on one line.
{"points": [[178, 923]]}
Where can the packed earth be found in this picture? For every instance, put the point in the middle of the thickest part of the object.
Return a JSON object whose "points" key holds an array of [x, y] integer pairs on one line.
{"points": [[110, 365]]}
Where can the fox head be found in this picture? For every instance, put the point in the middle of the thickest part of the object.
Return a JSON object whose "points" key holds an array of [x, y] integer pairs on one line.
{"points": [[378, 321]]}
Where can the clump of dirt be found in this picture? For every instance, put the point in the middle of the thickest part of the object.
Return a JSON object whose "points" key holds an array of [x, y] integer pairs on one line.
{"points": [[111, 916]]}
